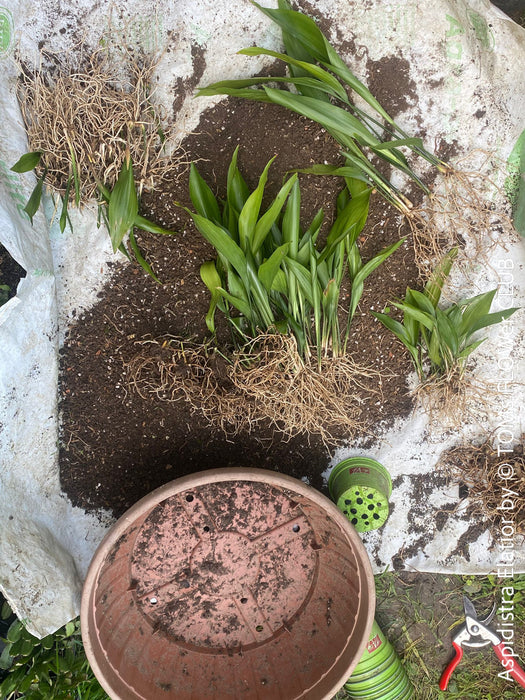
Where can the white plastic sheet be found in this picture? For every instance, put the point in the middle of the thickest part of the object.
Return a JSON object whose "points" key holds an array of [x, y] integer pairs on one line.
{"points": [[462, 70]]}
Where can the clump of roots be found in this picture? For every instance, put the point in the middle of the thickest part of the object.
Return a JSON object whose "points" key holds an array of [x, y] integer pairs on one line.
{"points": [[83, 118], [486, 473], [267, 381], [454, 397], [466, 210]]}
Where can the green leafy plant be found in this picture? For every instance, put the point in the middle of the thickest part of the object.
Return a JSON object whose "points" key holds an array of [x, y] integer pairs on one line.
{"points": [[4, 293], [270, 270], [54, 667], [440, 341], [322, 83], [118, 207]]}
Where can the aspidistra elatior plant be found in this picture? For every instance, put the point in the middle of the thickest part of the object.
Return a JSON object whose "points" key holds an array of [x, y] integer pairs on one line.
{"points": [[270, 272], [118, 206], [440, 340], [323, 85]]}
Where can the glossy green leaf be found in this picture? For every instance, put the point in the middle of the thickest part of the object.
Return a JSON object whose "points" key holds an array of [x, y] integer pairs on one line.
{"points": [[212, 280], [366, 271], [229, 87], [434, 286], [269, 268], [291, 225], [237, 189], [15, 631], [393, 325], [6, 660], [307, 33], [140, 258], [324, 113], [222, 242], [303, 277], [202, 197], [150, 226], [447, 333], [33, 203], [65, 203], [238, 303], [250, 212], [474, 309], [423, 318], [470, 348], [410, 141], [409, 322], [280, 283], [6, 611], [123, 205], [422, 302], [317, 72], [27, 162], [491, 319], [267, 220]]}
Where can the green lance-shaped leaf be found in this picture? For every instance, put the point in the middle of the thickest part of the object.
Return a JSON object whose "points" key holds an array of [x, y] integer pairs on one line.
{"points": [[304, 278], [492, 318], [267, 272], [267, 220], [309, 237], [323, 77], [140, 258], [34, 200], [236, 188], [401, 334], [409, 322], [123, 204], [365, 271], [436, 352], [473, 309], [425, 319], [469, 349], [250, 211], [222, 242], [240, 304], [65, 201], [212, 280], [202, 197], [151, 226], [448, 335], [331, 117], [234, 88], [434, 286], [422, 302], [27, 162], [308, 34]]}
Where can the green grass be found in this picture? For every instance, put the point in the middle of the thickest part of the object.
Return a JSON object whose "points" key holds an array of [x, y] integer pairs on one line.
{"points": [[419, 613]]}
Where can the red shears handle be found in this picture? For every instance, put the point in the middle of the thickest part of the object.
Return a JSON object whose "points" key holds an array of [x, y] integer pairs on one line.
{"points": [[510, 664], [452, 665]]}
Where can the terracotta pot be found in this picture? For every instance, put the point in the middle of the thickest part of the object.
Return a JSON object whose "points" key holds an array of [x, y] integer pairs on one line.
{"points": [[229, 583]]}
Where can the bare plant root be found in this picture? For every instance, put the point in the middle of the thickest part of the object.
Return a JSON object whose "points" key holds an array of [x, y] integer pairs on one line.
{"points": [[466, 210], [486, 474], [267, 381], [453, 398], [84, 117]]}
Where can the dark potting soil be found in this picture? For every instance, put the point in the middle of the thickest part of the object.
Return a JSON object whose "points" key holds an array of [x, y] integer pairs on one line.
{"points": [[10, 274], [117, 446]]}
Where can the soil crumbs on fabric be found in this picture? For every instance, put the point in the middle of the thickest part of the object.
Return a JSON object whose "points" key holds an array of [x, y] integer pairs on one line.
{"points": [[117, 446]]}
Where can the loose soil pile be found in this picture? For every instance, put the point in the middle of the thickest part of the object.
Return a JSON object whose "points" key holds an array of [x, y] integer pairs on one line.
{"points": [[117, 445]]}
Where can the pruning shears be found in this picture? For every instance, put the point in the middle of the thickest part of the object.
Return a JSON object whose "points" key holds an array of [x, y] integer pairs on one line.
{"points": [[475, 634]]}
